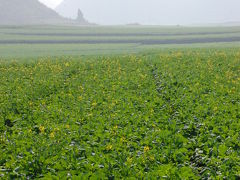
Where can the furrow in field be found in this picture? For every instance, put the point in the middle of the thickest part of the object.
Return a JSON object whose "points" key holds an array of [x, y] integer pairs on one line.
{"points": [[121, 34], [136, 41]]}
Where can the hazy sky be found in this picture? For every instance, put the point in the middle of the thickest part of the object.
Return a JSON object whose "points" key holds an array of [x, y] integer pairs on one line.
{"points": [[51, 3], [166, 12]]}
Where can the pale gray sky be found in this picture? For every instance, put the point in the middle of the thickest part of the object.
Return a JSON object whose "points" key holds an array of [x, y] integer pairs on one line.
{"points": [[166, 12], [51, 3]]}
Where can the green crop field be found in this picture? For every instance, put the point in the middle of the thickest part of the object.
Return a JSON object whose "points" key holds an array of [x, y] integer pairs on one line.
{"points": [[121, 110], [42, 41]]}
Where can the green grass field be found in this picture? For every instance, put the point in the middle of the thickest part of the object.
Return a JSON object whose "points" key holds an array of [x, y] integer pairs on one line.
{"points": [[120, 111]]}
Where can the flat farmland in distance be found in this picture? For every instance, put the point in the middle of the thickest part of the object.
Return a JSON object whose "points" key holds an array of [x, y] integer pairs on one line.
{"points": [[30, 41]]}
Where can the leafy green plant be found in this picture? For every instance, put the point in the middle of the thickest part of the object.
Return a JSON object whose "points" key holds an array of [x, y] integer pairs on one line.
{"points": [[169, 115]]}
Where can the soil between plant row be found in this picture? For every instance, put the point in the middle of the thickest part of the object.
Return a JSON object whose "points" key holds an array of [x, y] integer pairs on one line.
{"points": [[144, 42]]}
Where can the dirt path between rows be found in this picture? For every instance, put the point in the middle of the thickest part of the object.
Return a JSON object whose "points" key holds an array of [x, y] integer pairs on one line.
{"points": [[112, 41]]}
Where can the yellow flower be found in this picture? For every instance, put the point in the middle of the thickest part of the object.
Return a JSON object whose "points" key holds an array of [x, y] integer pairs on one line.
{"points": [[80, 98], [151, 111], [142, 76], [67, 64], [94, 104], [151, 158], [30, 130], [67, 126], [90, 115], [129, 160], [81, 88], [3, 140], [146, 149], [42, 129], [52, 135], [109, 147], [123, 139]]}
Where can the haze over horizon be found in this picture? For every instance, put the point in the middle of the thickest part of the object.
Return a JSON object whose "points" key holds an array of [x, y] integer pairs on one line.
{"points": [[152, 12], [51, 3]]}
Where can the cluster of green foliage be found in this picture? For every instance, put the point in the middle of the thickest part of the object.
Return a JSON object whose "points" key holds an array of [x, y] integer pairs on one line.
{"points": [[170, 115]]}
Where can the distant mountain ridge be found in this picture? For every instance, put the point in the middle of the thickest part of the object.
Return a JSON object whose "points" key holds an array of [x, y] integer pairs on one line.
{"points": [[28, 12]]}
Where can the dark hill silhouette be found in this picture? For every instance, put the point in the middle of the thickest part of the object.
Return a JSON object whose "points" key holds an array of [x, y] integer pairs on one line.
{"points": [[20, 12]]}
